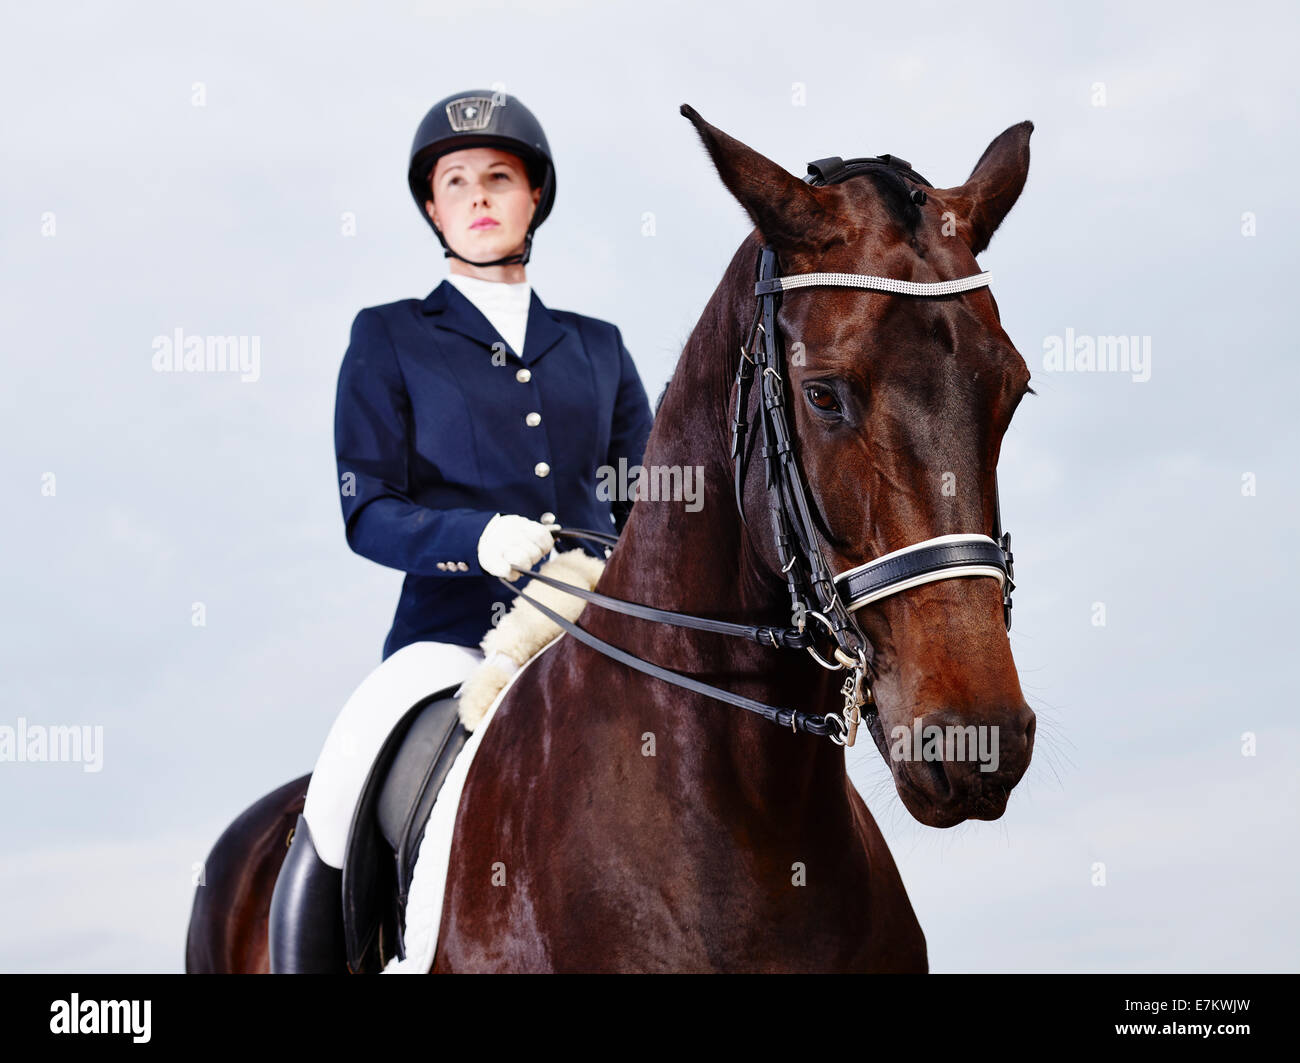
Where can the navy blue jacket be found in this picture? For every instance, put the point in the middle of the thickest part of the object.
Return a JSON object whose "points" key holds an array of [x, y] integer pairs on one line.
{"points": [[432, 438]]}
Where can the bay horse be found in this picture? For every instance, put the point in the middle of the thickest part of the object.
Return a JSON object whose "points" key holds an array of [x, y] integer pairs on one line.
{"points": [[617, 823]]}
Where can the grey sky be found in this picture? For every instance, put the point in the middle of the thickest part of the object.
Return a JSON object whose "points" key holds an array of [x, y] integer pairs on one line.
{"points": [[225, 219]]}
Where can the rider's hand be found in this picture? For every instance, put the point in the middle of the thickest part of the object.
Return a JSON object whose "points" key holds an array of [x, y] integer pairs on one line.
{"points": [[513, 542]]}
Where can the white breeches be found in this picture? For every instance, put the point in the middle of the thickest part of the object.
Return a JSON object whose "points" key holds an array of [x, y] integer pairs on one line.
{"points": [[383, 698]]}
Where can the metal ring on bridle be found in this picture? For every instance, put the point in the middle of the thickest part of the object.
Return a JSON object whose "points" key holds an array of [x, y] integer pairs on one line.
{"points": [[813, 650]]}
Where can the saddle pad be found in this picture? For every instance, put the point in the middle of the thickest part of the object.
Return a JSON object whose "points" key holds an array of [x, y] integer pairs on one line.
{"points": [[423, 915]]}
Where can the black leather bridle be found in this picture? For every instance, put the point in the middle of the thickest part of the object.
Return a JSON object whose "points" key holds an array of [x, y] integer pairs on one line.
{"points": [[808, 577]]}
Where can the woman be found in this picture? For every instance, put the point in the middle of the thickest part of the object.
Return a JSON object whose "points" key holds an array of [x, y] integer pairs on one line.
{"points": [[466, 424]]}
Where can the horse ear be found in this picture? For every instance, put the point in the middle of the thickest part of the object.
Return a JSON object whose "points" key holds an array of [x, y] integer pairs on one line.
{"points": [[992, 188], [784, 208]]}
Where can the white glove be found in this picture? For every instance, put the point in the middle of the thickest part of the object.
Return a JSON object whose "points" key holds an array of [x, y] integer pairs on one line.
{"points": [[513, 542]]}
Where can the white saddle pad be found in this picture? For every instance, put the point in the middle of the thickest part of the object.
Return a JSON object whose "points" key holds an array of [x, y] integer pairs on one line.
{"points": [[429, 876]]}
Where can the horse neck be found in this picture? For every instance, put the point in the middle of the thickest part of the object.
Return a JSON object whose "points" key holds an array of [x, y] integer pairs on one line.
{"points": [[704, 563]]}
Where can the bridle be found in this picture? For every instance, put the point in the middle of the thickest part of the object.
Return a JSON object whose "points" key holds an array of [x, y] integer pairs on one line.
{"points": [[808, 577]]}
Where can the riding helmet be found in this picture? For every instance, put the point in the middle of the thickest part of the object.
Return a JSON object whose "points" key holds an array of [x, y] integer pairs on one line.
{"points": [[482, 118]]}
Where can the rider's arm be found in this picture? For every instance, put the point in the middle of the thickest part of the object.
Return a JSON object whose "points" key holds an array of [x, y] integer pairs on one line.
{"points": [[372, 434]]}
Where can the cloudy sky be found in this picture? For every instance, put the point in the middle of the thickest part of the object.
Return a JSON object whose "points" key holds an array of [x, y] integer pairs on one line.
{"points": [[189, 167]]}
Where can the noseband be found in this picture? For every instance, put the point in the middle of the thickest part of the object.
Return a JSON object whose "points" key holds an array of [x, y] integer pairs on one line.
{"points": [[808, 577]]}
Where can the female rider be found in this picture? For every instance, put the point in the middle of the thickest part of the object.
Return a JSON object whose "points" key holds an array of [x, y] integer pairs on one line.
{"points": [[466, 423]]}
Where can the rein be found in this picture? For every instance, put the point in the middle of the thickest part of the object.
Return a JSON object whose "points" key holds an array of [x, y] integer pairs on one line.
{"points": [[808, 577]]}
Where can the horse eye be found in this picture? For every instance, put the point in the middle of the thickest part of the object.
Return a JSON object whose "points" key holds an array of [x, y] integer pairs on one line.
{"points": [[822, 397]]}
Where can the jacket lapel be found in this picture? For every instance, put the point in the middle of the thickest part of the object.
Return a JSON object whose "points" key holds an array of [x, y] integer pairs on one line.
{"points": [[447, 308], [543, 331]]}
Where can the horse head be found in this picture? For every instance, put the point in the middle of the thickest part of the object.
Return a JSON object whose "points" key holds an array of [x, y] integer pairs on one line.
{"points": [[897, 408]]}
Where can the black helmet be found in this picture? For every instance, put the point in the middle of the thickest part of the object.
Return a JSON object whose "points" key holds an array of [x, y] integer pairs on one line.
{"points": [[482, 118]]}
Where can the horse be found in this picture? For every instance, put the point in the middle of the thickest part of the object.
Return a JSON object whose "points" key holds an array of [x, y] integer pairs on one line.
{"points": [[614, 822]]}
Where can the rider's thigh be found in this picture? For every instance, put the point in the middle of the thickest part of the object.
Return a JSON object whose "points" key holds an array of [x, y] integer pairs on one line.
{"points": [[383, 698]]}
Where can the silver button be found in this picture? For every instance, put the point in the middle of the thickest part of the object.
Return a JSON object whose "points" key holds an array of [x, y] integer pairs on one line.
{"points": [[523, 376], [442, 565], [542, 469], [461, 566], [548, 518], [533, 420]]}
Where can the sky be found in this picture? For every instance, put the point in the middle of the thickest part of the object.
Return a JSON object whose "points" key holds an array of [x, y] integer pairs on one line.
{"points": [[239, 169]]}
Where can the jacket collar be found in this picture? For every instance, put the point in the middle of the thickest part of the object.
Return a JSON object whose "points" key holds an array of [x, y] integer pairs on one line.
{"points": [[447, 307]]}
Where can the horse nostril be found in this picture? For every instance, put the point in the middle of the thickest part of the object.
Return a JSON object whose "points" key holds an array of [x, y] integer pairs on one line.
{"points": [[1030, 727], [940, 784]]}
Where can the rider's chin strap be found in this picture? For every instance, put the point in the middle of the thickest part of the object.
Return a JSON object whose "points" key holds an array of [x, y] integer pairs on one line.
{"points": [[508, 260]]}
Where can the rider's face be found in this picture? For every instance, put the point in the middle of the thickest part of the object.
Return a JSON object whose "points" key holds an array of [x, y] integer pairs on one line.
{"points": [[481, 201]]}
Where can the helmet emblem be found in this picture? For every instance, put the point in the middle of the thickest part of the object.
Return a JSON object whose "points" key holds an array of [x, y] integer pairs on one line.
{"points": [[470, 113]]}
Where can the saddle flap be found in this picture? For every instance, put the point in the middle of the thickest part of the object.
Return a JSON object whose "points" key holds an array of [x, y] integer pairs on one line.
{"points": [[370, 918], [388, 825], [428, 751]]}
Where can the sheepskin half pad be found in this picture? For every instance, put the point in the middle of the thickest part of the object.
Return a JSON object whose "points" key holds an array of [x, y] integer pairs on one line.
{"points": [[523, 630]]}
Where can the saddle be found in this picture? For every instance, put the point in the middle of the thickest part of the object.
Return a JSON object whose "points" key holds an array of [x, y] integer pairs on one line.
{"points": [[388, 826]]}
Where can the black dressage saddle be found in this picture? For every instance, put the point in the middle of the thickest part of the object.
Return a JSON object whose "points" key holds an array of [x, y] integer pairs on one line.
{"points": [[388, 826]]}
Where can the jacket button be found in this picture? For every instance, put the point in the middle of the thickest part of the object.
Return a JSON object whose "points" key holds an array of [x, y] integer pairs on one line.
{"points": [[523, 376], [542, 469], [442, 565], [461, 566], [548, 518], [533, 420]]}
